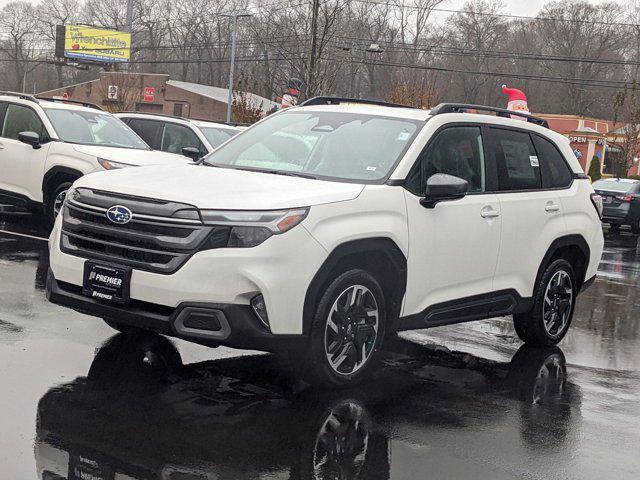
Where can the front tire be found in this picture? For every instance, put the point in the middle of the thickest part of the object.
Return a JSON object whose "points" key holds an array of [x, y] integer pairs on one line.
{"points": [[347, 330], [120, 327], [554, 302], [55, 202]]}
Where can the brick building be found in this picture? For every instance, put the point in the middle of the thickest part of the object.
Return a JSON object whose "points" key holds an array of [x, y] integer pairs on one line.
{"points": [[591, 137], [155, 93]]}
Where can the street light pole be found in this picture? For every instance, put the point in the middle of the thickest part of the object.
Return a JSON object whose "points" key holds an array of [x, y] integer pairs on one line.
{"points": [[234, 27]]}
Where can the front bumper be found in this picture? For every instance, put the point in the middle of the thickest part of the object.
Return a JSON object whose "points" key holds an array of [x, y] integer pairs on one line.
{"points": [[230, 325], [280, 269]]}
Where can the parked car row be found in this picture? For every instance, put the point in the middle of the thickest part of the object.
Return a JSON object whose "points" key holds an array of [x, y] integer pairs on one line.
{"points": [[47, 144]]}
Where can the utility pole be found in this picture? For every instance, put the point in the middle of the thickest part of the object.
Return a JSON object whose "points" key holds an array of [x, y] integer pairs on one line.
{"points": [[311, 74], [234, 27], [129, 27]]}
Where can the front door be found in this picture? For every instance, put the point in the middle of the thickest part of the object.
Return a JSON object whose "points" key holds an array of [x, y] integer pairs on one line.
{"points": [[453, 248], [21, 165]]}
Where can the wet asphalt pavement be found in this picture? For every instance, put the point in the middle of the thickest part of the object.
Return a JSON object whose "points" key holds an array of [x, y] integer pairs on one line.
{"points": [[460, 402]]}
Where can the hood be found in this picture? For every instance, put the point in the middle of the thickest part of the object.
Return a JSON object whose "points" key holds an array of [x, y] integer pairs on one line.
{"points": [[132, 155], [221, 188]]}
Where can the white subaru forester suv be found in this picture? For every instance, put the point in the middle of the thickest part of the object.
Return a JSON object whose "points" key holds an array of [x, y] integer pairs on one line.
{"points": [[326, 227], [46, 144]]}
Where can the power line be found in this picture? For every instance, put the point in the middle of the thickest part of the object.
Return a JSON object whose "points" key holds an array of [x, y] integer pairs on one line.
{"points": [[501, 15]]}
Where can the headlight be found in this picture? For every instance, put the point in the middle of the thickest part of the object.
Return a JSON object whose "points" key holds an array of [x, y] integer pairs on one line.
{"points": [[111, 165], [71, 193], [251, 228]]}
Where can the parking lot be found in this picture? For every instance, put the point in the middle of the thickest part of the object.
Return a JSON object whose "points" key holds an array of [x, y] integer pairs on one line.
{"points": [[466, 401]]}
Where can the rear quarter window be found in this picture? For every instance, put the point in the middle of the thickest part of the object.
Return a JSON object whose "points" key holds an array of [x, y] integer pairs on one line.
{"points": [[555, 171]]}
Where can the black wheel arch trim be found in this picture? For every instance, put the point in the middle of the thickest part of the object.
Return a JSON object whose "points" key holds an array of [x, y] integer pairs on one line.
{"points": [[575, 240], [380, 245], [52, 172]]}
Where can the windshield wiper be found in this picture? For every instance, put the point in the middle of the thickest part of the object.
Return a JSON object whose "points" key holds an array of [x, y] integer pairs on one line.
{"points": [[287, 173], [292, 174]]}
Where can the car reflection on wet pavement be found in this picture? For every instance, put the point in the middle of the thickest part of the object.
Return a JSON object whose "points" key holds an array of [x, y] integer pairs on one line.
{"points": [[465, 401]]}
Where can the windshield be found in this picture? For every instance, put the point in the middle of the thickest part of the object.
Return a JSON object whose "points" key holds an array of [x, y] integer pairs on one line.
{"points": [[93, 128], [613, 185], [217, 136], [330, 145]]}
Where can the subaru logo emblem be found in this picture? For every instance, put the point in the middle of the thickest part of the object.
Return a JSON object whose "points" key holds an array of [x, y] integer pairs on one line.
{"points": [[119, 214]]}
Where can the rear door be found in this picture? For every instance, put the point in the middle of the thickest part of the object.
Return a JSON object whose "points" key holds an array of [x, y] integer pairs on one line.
{"points": [[531, 214]]}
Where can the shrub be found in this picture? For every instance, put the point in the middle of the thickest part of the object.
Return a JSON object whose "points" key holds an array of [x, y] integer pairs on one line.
{"points": [[594, 169]]}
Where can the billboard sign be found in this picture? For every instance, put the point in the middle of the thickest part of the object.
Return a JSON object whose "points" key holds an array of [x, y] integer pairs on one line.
{"points": [[92, 44]]}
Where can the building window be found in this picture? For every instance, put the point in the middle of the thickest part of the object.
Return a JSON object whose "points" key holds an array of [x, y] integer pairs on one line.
{"points": [[177, 109]]}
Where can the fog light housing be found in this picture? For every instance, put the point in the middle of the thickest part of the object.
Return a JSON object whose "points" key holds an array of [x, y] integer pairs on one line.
{"points": [[260, 309]]}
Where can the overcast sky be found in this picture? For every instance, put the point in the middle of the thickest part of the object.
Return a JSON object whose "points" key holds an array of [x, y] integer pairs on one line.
{"points": [[514, 7]]}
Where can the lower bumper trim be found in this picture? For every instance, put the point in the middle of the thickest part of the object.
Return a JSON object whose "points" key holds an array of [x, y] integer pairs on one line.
{"points": [[238, 326]]}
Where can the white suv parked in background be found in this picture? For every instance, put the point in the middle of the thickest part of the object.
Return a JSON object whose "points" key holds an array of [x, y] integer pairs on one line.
{"points": [[46, 144], [175, 134], [325, 227]]}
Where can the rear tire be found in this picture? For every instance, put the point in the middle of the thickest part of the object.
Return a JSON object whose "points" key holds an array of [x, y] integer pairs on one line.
{"points": [[55, 202], [347, 331], [635, 227], [553, 304]]}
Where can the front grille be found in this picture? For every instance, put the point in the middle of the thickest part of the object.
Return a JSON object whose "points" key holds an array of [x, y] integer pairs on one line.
{"points": [[159, 238]]}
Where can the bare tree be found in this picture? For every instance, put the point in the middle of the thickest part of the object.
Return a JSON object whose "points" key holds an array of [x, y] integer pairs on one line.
{"points": [[19, 41]]}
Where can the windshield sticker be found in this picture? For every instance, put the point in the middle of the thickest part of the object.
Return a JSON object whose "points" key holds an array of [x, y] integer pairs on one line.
{"points": [[534, 161], [371, 169], [404, 136]]}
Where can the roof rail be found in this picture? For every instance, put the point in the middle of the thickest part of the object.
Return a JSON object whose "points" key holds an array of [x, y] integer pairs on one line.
{"points": [[74, 102], [339, 100], [23, 96], [500, 112]]}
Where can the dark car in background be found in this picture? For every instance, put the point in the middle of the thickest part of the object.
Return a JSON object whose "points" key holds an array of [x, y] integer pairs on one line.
{"points": [[621, 200]]}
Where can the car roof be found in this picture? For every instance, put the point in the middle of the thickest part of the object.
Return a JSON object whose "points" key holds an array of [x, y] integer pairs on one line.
{"points": [[205, 123], [60, 105], [367, 109], [410, 113], [174, 118], [620, 180]]}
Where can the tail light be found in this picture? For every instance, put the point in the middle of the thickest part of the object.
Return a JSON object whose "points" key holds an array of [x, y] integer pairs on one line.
{"points": [[624, 198], [596, 200]]}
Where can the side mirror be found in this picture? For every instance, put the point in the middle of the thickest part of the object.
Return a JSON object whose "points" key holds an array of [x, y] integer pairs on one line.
{"points": [[442, 188], [192, 152], [30, 138]]}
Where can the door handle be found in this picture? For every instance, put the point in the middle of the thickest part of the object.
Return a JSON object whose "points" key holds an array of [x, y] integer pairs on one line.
{"points": [[489, 212], [552, 207]]}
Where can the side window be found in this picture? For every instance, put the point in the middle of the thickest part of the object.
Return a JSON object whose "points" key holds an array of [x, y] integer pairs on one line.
{"points": [[148, 130], [455, 151], [22, 119], [176, 137], [555, 171], [516, 160]]}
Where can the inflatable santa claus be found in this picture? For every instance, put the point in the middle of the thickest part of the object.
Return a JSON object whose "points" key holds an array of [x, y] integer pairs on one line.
{"points": [[517, 101]]}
